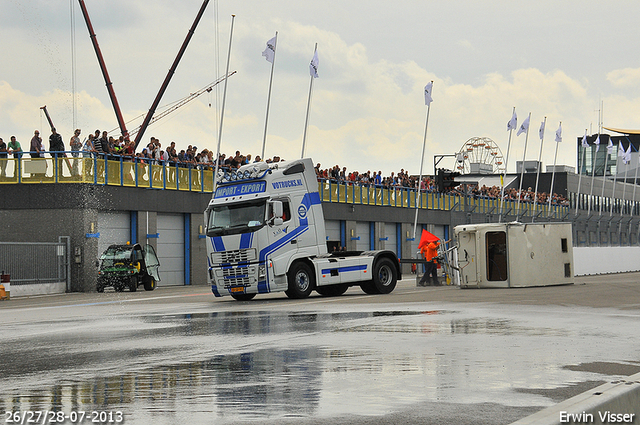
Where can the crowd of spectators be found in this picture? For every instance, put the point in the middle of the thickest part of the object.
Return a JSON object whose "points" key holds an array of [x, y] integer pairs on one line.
{"points": [[101, 144], [404, 180]]}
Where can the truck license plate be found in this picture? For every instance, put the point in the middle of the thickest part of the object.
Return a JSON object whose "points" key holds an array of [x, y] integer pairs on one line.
{"points": [[237, 289]]}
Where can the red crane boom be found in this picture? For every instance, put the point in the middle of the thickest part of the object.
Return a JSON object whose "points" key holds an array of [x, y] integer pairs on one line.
{"points": [[105, 74]]}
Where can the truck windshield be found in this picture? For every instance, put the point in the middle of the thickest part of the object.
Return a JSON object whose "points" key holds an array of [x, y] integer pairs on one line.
{"points": [[236, 218]]}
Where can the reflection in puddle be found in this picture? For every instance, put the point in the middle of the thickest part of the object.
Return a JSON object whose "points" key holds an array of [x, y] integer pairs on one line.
{"points": [[218, 367]]}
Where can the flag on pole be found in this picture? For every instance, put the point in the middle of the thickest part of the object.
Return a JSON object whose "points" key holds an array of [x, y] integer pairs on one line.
{"points": [[524, 126], [610, 147], [541, 132], [585, 143], [270, 52], [627, 155], [313, 66], [597, 143], [512, 124], [426, 238], [559, 133], [621, 151], [428, 89]]}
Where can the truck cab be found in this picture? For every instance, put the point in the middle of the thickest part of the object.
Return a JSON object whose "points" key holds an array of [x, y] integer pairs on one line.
{"points": [[265, 233]]}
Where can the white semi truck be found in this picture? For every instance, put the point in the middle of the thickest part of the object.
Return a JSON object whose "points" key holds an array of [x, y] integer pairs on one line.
{"points": [[266, 233]]}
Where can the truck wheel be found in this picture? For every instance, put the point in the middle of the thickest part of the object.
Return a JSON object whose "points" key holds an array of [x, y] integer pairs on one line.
{"points": [[133, 284], [100, 287], [384, 276], [332, 290], [301, 281], [368, 288], [150, 284], [243, 297]]}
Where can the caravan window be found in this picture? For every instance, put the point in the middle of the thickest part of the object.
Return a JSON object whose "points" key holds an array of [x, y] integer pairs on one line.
{"points": [[496, 255]]}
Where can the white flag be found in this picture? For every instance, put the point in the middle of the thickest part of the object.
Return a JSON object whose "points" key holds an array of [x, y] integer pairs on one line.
{"points": [[512, 124], [524, 126], [541, 131], [627, 155], [428, 89], [597, 143], [270, 52], [313, 66], [620, 150], [610, 147], [585, 143], [559, 133]]}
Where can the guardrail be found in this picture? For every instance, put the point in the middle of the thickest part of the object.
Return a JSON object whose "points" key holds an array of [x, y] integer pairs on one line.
{"points": [[404, 197], [117, 170], [113, 170]]}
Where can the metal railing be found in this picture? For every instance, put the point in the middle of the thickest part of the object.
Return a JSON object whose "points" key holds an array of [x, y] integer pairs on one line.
{"points": [[404, 197], [144, 173], [113, 170]]}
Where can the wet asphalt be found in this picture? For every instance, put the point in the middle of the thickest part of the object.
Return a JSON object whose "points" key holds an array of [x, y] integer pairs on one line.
{"points": [[420, 355]]}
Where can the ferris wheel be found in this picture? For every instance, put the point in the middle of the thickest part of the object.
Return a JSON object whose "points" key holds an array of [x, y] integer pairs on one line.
{"points": [[480, 155]]}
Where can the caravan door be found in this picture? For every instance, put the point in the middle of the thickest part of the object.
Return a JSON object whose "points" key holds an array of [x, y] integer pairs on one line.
{"points": [[467, 261]]}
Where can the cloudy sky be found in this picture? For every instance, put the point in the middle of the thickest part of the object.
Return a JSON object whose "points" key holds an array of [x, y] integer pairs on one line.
{"points": [[556, 59]]}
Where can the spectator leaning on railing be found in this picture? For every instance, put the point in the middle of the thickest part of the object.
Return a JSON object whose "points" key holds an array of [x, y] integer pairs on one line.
{"points": [[14, 147]]}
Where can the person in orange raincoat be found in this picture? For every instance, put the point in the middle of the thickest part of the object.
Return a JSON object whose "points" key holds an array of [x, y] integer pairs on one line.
{"points": [[430, 252]]}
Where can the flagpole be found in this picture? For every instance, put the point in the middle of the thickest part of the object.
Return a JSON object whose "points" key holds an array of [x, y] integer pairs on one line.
{"points": [[535, 193], [633, 198], [553, 173], [604, 177], [593, 174], [506, 165], [624, 187], [635, 179], [524, 155], [306, 121], [266, 119], [615, 178], [584, 154], [424, 144], [224, 99]]}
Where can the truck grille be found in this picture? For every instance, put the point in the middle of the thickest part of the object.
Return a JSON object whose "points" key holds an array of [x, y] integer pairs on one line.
{"points": [[233, 257], [237, 276]]}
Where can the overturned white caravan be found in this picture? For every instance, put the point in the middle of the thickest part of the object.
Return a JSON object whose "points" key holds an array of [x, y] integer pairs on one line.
{"points": [[503, 255]]}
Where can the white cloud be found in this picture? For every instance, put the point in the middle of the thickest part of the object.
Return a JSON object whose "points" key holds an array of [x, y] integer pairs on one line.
{"points": [[624, 77], [367, 109]]}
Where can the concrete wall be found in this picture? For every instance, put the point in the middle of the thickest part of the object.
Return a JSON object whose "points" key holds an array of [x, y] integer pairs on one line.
{"points": [[42, 213], [602, 260]]}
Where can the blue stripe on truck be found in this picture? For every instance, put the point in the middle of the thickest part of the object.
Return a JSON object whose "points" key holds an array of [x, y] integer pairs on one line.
{"points": [[346, 269]]}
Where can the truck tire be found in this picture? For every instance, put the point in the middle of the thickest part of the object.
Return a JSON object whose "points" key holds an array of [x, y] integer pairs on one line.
{"points": [[384, 276], [332, 290], [243, 297], [133, 284], [100, 287], [368, 288], [301, 281]]}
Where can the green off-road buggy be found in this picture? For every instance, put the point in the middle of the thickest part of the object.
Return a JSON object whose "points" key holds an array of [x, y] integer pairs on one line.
{"points": [[128, 266]]}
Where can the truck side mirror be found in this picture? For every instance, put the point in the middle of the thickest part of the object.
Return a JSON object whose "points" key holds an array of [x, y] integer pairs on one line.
{"points": [[277, 213]]}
